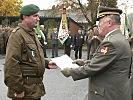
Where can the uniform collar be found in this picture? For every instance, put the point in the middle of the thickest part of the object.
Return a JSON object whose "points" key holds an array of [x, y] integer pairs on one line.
{"points": [[111, 32], [30, 31]]}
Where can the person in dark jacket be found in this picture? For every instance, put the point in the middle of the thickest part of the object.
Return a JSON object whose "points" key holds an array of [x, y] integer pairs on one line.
{"points": [[68, 45], [78, 43], [90, 31]]}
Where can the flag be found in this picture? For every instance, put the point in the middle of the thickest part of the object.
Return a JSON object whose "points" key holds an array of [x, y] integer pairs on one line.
{"points": [[124, 25], [40, 33], [63, 33], [63, 30]]}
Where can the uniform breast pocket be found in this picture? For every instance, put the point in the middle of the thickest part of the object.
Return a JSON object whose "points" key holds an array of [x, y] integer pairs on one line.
{"points": [[29, 53], [32, 52]]}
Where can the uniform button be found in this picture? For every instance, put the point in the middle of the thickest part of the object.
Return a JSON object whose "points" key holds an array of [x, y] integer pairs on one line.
{"points": [[95, 92]]}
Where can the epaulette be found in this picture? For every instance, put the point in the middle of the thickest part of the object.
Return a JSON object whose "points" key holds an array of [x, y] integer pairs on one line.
{"points": [[15, 30]]}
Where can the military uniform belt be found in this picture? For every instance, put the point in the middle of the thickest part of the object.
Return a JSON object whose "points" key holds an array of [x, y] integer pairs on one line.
{"points": [[32, 80]]}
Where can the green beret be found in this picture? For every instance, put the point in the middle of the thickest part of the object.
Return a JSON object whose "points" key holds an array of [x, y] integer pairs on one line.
{"points": [[29, 9], [103, 11]]}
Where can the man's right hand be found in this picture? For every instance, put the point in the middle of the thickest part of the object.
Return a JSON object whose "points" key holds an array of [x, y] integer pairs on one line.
{"points": [[66, 72], [80, 62], [19, 95]]}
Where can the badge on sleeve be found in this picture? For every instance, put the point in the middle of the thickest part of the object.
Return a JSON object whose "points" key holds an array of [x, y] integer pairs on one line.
{"points": [[104, 50]]}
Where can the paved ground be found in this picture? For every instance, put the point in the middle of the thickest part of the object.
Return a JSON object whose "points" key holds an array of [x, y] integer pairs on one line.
{"points": [[57, 86]]}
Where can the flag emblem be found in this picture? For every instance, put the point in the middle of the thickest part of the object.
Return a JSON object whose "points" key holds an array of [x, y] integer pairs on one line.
{"points": [[104, 50]]}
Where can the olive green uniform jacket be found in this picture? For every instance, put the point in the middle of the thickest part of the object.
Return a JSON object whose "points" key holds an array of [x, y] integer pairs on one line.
{"points": [[108, 70], [24, 64]]}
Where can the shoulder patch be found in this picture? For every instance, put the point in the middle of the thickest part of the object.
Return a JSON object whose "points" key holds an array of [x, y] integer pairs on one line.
{"points": [[16, 29], [104, 50]]}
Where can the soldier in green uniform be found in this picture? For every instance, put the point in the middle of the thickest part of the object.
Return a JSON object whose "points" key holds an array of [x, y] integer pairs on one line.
{"points": [[94, 39], [109, 68], [25, 63]]}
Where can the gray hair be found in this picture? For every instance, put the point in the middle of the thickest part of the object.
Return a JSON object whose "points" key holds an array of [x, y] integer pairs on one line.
{"points": [[115, 18]]}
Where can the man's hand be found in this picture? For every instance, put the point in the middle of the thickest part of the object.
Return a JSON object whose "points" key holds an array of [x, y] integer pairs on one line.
{"points": [[52, 65], [66, 72], [20, 95], [80, 62]]}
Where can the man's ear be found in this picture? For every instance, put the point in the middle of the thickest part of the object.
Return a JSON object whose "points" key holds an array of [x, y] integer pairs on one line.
{"points": [[110, 23]]}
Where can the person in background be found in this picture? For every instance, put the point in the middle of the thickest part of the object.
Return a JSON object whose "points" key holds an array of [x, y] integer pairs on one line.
{"points": [[78, 43], [109, 68], [54, 41], [94, 39], [24, 62], [2, 31], [68, 44], [90, 31], [44, 43]]}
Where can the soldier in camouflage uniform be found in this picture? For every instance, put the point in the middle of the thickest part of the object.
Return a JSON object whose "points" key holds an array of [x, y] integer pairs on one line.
{"points": [[25, 63]]}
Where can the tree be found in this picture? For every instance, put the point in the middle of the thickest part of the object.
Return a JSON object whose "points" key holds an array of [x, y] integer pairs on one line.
{"points": [[10, 7], [90, 6]]}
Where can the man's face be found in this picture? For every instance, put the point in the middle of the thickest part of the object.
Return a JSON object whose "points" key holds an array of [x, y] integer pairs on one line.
{"points": [[55, 30], [90, 31], [32, 20], [95, 29], [103, 25], [42, 28], [79, 31]]}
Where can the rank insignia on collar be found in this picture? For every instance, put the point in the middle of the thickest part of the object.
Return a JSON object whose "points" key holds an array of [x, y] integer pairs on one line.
{"points": [[104, 50]]}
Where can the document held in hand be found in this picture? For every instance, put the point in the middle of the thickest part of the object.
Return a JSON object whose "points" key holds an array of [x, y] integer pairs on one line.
{"points": [[64, 62]]}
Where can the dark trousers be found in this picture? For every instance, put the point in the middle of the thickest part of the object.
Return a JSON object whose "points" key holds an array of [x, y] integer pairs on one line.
{"points": [[88, 51], [25, 99], [67, 50], [78, 49], [54, 50], [44, 50]]}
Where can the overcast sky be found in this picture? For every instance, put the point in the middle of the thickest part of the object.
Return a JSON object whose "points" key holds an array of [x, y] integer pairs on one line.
{"points": [[43, 4], [47, 4]]}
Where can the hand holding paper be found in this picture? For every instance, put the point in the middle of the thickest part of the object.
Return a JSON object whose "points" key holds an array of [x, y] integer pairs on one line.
{"points": [[52, 65], [80, 62], [64, 62]]}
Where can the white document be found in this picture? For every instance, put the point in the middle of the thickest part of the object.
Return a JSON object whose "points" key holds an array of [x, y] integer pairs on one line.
{"points": [[64, 62]]}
